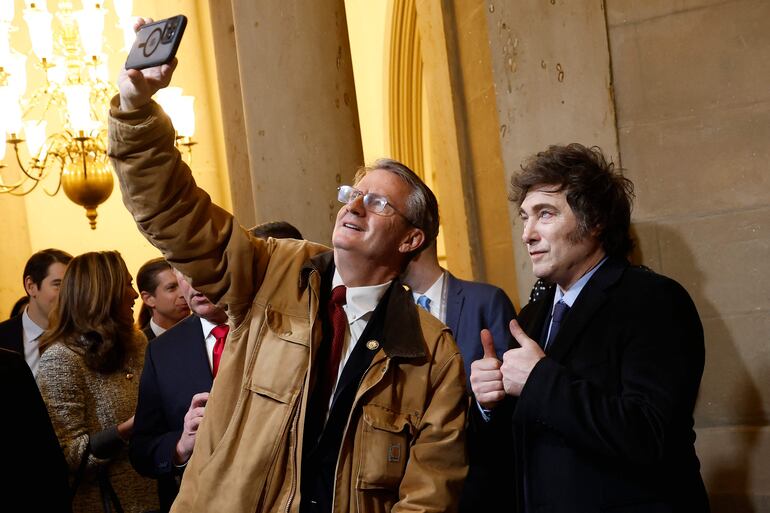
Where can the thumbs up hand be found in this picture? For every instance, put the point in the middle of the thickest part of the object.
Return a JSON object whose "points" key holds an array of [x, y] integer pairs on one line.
{"points": [[518, 363], [486, 378]]}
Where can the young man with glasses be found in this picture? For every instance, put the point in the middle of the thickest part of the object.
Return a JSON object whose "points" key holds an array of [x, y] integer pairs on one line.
{"points": [[329, 367]]}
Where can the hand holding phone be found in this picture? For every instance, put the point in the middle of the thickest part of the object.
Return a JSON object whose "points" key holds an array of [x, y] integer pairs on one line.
{"points": [[156, 43], [138, 86]]}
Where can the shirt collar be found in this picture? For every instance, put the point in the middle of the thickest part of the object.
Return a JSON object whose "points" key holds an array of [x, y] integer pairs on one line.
{"points": [[360, 300], [207, 326], [572, 294], [32, 330], [434, 292], [155, 328]]}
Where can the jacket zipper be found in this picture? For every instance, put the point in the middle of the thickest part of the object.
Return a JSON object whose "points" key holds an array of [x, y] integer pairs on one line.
{"points": [[350, 415], [293, 489]]}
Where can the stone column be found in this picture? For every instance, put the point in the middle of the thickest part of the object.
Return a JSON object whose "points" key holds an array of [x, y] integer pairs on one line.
{"points": [[289, 103]]}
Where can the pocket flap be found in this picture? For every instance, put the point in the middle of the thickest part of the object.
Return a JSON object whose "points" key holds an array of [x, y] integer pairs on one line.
{"points": [[282, 358], [386, 420], [288, 327]]}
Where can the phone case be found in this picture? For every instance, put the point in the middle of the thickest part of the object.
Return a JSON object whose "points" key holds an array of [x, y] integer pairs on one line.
{"points": [[156, 43]]}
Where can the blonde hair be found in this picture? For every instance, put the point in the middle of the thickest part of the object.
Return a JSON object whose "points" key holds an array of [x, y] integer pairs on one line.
{"points": [[87, 315]]}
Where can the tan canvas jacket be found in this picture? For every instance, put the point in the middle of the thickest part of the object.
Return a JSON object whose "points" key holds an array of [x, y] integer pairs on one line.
{"points": [[404, 446]]}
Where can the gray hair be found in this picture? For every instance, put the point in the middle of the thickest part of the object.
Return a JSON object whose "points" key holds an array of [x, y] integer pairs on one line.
{"points": [[421, 205]]}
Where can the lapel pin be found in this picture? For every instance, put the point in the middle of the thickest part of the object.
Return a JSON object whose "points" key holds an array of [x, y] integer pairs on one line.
{"points": [[372, 345]]}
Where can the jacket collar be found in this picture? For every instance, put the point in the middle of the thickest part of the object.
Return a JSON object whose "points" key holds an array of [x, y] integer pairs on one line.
{"points": [[321, 262], [590, 300], [401, 331]]}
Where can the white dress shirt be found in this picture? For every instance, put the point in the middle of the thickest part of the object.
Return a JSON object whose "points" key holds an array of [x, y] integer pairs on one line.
{"points": [[361, 302], [437, 295], [31, 337], [210, 339], [155, 328]]}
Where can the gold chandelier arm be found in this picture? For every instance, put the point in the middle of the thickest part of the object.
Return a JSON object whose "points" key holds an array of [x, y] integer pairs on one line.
{"points": [[41, 170], [44, 164]]}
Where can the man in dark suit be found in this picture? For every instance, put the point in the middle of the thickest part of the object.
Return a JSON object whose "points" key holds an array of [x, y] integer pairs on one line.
{"points": [[177, 376], [467, 307], [35, 476], [604, 383], [163, 304], [42, 277]]}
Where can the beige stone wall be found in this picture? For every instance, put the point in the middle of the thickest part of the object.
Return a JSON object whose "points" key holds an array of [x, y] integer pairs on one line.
{"points": [[693, 115]]}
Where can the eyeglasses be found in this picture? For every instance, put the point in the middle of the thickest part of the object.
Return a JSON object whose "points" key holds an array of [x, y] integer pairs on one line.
{"points": [[374, 203]]}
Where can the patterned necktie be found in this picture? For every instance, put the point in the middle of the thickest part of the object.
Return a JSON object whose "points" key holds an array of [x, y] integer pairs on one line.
{"points": [[339, 322], [560, 309], [220, 333], [424, 301]]}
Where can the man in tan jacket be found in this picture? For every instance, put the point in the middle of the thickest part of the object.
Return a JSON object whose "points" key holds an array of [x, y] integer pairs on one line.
{"points": [[327, 399]]}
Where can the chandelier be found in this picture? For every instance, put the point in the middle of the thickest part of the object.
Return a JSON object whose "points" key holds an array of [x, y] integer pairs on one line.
{"points": [[56, 132]]}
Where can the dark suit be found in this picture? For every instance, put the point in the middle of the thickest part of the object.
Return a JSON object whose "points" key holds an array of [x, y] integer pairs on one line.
{"points": [[35, 475], [176, 367], [12, 335], [604, 422], [472, 306]]}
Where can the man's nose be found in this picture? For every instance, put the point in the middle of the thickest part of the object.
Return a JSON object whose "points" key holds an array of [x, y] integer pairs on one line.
{"points": [[356, 206], [528, 233]]}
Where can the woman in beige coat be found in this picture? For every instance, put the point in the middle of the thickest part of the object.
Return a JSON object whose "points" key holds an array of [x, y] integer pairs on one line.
{"points": [[89, 378]]}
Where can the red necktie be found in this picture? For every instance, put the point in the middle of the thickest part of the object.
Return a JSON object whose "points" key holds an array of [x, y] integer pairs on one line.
{"points": [[220, 333], [339, 321]]}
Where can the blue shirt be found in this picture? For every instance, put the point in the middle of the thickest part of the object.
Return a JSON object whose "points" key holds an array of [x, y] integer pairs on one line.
{"points": [[570, 296]]}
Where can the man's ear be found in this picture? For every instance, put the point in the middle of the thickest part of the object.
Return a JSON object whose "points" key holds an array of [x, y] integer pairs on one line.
{"points": [[412, 241], [148, 299], [30, 286]]}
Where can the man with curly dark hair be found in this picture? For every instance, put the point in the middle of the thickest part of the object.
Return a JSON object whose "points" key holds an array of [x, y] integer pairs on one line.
{"points": [[603, 385]]}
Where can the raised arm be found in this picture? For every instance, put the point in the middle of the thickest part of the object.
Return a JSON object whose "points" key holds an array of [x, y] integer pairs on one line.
{"points": [[197, 237]]}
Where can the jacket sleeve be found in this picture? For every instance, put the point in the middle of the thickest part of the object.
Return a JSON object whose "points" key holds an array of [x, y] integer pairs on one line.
{"points": [[438, 463], [197, 237], [153, 441], [659, 372]]}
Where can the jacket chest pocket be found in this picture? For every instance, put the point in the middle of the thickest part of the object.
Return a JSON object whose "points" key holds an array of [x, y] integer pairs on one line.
{"points": [[282, 358], [386, 438]]}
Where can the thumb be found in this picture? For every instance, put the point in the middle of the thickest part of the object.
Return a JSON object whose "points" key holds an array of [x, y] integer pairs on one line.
{"points": [[488, 343], [135, 76], [521, 337]]}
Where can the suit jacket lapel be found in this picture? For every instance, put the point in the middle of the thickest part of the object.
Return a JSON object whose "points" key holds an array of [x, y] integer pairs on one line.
{"points": [[455, 299], [533, 316], [17, 340], [197, 348], [590, 300]]}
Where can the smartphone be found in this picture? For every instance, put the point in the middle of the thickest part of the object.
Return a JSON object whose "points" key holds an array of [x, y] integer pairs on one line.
{"points": [[156, 43]]}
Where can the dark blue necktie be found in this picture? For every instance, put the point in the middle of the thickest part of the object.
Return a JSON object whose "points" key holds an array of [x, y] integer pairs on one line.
{"points": [[560, 309]]}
